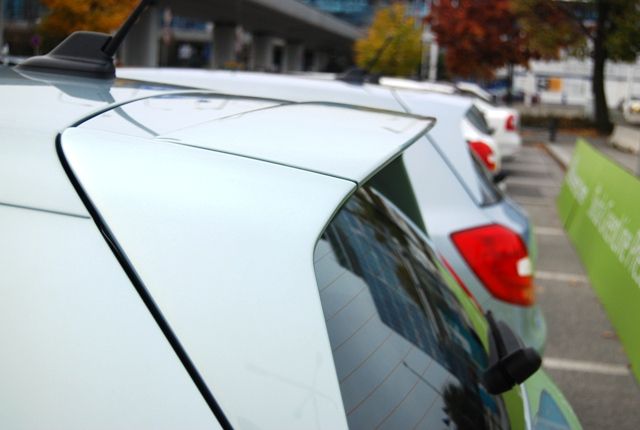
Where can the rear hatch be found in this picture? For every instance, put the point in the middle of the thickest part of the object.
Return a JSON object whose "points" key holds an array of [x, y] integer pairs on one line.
{"points": [[217, 215]]}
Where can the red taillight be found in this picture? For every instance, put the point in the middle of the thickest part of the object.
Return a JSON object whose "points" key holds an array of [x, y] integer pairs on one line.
{"points": [[485, 153], [511, 123], [500, 259]]}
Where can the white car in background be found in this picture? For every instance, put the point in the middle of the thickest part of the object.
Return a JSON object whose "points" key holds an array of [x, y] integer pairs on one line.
{"points": [[505, 126], [503, 122], [474, 90], [478, 134], [631, 110]]}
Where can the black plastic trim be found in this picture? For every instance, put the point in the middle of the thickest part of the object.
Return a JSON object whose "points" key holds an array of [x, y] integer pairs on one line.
{"points": [[142, 291]]}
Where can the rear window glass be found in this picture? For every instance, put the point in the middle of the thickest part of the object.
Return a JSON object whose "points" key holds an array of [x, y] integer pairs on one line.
{"points": [[478, 120], [491, 194], [405, 353]]}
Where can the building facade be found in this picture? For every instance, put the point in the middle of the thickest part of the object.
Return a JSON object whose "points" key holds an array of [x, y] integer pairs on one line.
{"points": [[269, 35]]}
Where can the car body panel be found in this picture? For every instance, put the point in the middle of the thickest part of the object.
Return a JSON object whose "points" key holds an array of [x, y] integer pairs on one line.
{"points": [[294, 88], [471, 133], [435, 87], [451, 111], [35, 112], [509, 141], [79, 348], [474, 89], [171, 208], [156, 116], [549, 409], [505, 143], [360, 140], [178, 193]]}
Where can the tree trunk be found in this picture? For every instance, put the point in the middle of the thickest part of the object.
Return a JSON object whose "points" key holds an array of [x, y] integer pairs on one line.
{"points": [[601, 110], [509, 99]]}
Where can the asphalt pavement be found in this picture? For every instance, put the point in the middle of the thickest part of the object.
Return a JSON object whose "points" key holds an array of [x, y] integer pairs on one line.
{"points": [[583, 353]]}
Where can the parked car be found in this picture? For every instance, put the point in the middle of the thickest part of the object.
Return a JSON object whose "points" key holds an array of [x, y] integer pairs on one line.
{"points": [[178, 258], [462, 198], [631, 110], [475, 226], [505, 124], [474, 90], [480, 134]]}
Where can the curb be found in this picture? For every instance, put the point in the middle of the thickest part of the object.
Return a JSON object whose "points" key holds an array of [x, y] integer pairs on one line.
{"points": [[559, 157]]}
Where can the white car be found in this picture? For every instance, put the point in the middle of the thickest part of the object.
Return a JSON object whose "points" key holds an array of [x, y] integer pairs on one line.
{"points": [[474, 90], [505, 126], [460, 199], [478, 131], [178, 258], [631, 110]]}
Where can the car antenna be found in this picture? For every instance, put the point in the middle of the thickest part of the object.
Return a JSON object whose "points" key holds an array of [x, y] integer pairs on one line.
{"points": [[85, 53], [360, 75]]}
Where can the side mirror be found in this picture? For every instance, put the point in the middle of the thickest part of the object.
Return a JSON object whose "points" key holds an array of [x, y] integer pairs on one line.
{"points": [[510, 362], [499, 177]]}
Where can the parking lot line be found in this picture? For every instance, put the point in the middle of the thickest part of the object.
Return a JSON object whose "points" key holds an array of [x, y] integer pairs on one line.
{"points": [[527, 201], [559, 276], [533, 182], [585, 366], [549, 231]]}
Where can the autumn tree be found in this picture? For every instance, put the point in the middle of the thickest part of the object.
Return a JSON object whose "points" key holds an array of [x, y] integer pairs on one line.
{"points": [[392, 43], [478, 37], [66, 16], [602, 29]]}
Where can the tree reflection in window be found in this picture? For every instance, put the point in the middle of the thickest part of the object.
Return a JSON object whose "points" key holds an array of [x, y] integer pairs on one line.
{"points": [[405, 353]]}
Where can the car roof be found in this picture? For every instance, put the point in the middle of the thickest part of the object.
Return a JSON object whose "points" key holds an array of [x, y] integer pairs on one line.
{"points": [[449, 108], [269, 85], [327, 138], [43, 105], [34, 109], [223, 245], [409, 84]]}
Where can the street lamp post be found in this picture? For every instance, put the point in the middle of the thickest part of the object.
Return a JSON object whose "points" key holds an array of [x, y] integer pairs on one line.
{"points": [[429, 40], [433, 60]]}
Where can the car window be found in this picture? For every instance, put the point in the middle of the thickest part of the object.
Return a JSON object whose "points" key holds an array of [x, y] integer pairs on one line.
{"points": [[478, 120], [405, 353], [491, 194]]}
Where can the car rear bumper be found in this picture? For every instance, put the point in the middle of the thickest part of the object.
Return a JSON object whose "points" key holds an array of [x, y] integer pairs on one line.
{"points": [[510, 144], [545, 405]]}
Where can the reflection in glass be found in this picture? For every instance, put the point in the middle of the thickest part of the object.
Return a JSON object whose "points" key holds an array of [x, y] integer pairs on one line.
{"points": [[405, 353]]}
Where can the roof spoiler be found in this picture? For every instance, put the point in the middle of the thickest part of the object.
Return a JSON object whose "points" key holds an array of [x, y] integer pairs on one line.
{"points": [[85, 53]]}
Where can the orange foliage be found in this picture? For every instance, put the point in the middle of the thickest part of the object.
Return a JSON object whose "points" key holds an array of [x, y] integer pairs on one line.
{"points": [[67, 16], [478, 36]]}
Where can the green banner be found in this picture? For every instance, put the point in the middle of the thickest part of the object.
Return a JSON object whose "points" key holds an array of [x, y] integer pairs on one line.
{"points": [[599, 206]]}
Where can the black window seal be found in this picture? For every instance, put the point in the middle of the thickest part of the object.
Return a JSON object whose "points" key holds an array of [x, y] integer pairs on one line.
{"points": [[144, 294]]}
